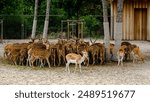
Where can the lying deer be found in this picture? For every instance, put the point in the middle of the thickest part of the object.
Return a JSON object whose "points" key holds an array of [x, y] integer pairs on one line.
{"points": [[75, 59]]}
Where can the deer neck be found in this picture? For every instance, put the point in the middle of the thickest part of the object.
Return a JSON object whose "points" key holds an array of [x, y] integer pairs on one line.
{"points": [[82, 58]]}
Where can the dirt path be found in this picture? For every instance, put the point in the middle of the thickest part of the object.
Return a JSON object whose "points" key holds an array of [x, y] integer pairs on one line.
{"points": [[106, 74]]}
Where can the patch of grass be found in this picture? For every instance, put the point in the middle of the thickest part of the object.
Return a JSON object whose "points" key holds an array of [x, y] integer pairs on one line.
{"points": [[4, 60]]}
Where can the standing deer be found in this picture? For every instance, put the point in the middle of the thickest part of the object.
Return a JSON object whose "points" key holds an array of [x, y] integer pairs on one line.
{"points": [[120, 54], [75, 59]]}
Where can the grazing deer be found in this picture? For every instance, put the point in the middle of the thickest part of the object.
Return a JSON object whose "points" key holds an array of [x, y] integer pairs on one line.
{"points": [[137, 55], [76, 59]]}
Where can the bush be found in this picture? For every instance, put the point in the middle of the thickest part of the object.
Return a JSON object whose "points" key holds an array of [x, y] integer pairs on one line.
{"points": [[12, 27], [92, 27]]}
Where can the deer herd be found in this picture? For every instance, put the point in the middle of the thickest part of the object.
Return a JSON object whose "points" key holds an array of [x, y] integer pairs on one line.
{"points": [[41, 52]]}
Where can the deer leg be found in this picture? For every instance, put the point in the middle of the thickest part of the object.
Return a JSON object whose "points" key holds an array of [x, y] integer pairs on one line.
{"points": [[118, 60], [64, 60], [28, 60], [4, 54], [88, 61], [101, 58], [21, 60], [59, 59], [122, 60], [67, 67], [47, 59], [80, 67], [31, 61], [15, 60], [54, 60], [93, 59], [121, 63], [75, 67], [134, 58], [41, 63]]}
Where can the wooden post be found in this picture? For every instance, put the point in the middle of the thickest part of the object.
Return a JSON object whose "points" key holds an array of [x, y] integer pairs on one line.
{"points": [[78, 22], [1, 30], [82, 30], [68, 30], [61, 26], [22, 31]]}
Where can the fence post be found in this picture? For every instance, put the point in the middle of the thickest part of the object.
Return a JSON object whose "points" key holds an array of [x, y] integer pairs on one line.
{"points": [[81, 30], [1, 22], [68, 24], [22, 31]]}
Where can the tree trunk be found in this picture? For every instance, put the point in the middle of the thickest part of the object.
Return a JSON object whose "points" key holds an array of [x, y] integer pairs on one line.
{"points": [[35, 20], [118, 35], [45, 30], [106, 29], [77, 24]]}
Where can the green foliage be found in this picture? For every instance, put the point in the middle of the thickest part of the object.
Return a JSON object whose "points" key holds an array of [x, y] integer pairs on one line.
{"points": [[18, 12], [12, 24], [11, 7], [92, 25], [12, 27]]}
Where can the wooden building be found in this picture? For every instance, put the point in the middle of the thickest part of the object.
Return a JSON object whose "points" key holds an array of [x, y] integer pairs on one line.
{"points": [[136, 19]]}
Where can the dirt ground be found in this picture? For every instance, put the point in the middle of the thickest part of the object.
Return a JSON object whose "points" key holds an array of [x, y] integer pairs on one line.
{"points": [[110, 73]]}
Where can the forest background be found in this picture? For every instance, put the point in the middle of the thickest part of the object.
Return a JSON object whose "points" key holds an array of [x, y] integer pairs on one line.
{"points": [[17, 16]]}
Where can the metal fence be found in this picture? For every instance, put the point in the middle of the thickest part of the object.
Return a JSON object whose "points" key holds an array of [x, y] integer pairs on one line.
{"points": [[1, 30], [20, 27]]}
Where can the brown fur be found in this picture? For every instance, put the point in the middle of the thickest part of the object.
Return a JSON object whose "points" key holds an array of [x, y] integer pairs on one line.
{"points": [[120, 54], [137, 55], [41, 54]]}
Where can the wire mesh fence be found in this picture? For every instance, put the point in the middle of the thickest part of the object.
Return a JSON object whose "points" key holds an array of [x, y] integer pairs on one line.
{"points": [[20, 26]]}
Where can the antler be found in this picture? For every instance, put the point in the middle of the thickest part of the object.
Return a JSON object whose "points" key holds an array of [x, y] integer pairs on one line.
{"points": [[92, 41]]}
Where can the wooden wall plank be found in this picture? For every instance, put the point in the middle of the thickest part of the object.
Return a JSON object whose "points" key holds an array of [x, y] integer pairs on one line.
{"points": [[124, 22], [115, 14], [148, 22], [132, 22], [129, 16], [140, 18], [130, 19], [145, 23]]}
